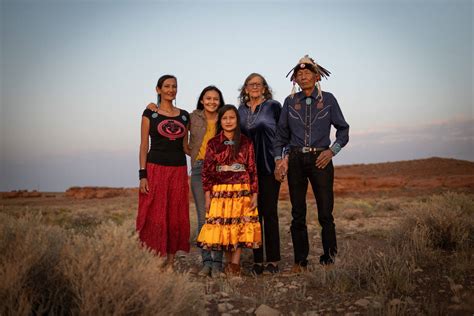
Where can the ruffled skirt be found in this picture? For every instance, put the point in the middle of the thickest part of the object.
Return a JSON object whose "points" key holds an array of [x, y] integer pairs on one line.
{"points": [[230, 223]]}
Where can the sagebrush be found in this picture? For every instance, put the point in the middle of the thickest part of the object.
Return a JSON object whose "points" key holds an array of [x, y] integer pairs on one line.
{"points": [[47, 270]]}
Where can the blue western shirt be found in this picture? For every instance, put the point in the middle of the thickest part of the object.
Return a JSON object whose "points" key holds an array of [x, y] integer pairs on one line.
{"points": [[305, 122], [260, 126]]}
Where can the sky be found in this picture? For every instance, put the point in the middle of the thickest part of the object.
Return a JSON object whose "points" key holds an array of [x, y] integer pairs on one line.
{"points": [[77, 75]]}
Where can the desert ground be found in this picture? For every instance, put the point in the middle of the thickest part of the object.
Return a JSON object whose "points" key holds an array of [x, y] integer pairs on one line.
{"points": [[405, 234]]}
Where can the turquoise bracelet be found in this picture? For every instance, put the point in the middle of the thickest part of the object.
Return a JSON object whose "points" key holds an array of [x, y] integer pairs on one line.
{"points": [[335, 148]]}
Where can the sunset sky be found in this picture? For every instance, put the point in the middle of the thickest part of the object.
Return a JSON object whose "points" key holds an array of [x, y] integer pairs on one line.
{"points": [[77, 75]]}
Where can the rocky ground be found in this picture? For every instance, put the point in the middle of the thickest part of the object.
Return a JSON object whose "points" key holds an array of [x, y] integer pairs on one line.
{"points": [[370, 205], [291, 294]]}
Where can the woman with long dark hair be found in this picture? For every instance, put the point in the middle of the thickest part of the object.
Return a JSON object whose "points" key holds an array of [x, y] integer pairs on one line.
{"points": [[202, 128], [163, 207]]}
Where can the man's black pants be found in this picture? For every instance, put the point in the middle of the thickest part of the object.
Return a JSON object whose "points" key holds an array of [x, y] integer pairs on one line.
{"points": [[301, 168]]}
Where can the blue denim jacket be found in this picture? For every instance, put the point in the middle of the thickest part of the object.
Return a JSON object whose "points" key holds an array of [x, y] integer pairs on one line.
{"points": [[306, 122]]}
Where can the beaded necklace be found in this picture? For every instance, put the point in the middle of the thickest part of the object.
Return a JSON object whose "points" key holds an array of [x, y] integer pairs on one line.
{"points": [[251, 115]]}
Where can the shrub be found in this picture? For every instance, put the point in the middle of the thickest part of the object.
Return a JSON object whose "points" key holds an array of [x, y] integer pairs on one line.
{"points": [[387, 205], [352, 214], [30, 281], [387, 274], [43, 270], [444, 222], [111, 274], [356, 208]]}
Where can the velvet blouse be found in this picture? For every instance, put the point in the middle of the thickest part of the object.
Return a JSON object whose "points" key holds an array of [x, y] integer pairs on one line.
{"points": [[261, 126], [219, 152]]}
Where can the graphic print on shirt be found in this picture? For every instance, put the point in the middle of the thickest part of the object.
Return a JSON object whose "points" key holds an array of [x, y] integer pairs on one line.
{"points": [[171, 129], [322, 114]]}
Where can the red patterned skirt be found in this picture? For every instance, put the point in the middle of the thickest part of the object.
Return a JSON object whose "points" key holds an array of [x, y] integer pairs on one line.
{"points": [[163, 213]]}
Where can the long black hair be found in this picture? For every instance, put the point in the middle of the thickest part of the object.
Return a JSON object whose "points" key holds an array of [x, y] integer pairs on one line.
{"points": [[200, 106], [236, 139], [160, 82]]}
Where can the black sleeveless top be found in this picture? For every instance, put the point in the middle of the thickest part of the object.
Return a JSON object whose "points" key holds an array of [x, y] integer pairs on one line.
{"points": [[167, 135]]}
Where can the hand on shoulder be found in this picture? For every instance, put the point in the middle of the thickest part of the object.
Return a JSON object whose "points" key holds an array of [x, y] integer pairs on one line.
{"points": [[152, 106]]}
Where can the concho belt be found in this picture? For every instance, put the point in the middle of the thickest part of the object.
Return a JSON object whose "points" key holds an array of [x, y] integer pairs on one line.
{"points": [[236, 167]]}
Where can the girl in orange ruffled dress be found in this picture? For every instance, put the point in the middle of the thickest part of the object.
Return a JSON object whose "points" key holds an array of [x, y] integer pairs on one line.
{"points": [[230, 183]]}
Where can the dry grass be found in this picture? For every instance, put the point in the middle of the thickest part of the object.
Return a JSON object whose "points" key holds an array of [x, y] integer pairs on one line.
{"points": [[434, 231], [374, 272], [79, 216], [29, 257], [352, 209], [84, 259], [441, 222], [439, 233], [45, 270]]}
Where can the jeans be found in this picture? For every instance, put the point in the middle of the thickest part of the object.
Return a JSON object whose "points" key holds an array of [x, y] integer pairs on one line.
{"points": [[301, 168], [209, 258], [268, 190]]}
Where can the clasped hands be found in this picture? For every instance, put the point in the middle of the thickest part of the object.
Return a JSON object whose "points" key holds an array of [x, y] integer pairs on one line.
{"points": [[281, 169]]}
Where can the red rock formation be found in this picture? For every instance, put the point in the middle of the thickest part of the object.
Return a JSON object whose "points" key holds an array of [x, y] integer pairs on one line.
{"points": [[95, 192]]}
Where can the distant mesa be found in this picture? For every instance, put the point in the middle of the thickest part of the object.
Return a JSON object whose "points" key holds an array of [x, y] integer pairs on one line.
{"points": [[404, 178], [22, 194], [97, 192], [412, 176]]}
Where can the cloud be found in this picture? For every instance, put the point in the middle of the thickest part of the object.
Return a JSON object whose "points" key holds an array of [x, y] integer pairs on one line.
{"points": [[449, 138], [449, 130]]}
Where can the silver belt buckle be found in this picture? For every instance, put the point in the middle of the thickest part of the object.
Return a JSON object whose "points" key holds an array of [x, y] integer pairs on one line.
{"points": [[305, 150], [236, 167]]}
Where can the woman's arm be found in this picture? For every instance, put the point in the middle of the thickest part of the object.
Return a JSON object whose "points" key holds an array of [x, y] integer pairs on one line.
{"points": [[144, 146], [187, 149]]}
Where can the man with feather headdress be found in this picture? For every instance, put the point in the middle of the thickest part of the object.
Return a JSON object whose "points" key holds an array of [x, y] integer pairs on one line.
{"points": [[304, 130]]}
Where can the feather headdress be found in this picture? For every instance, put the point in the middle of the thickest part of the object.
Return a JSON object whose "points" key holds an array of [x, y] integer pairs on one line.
{"points": [[308, 63]]}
